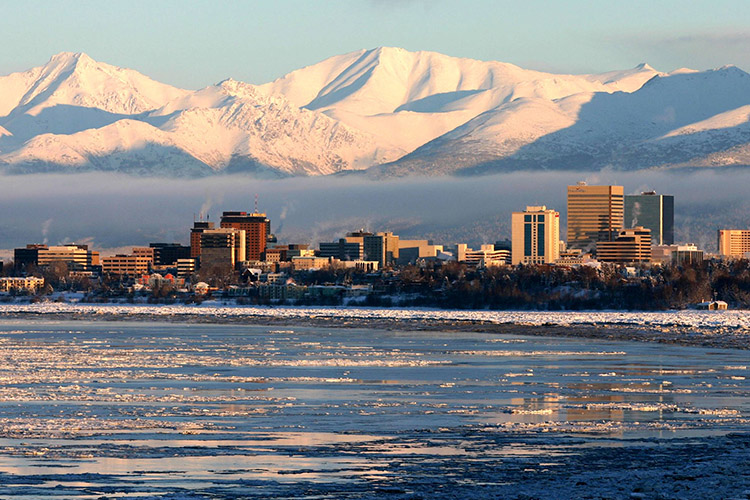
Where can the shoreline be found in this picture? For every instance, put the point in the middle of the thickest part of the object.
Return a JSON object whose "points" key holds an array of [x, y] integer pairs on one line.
{"points": [[587, 325]]}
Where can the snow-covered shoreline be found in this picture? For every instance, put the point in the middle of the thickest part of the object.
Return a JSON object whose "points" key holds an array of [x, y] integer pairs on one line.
{"points": [[690, 319]]}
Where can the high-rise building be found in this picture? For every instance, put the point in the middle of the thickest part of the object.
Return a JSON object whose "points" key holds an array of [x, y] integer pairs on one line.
{"points": [[734, 242], [221, 247], [631, 246], [381, 247], [195, 237], [595, 213], [654, 211], [256, 226], [536, 236]]}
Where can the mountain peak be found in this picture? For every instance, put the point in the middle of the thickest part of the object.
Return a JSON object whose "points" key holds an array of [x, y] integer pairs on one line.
{"points": [[645, 67], [69, 59]]}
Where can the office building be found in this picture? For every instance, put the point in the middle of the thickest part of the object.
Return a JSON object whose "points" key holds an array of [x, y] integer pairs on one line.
{"points": [[310, 263], [130, 265], [734, 243], [632, 245], [23, 258], [185, 267], [652, 211], [76, 257], [344, 249], [167, 254], [536, 236], [222, 247], [485, 256], [195, 237], [381, 247], [256, 227], [595, 213], [410, 251], [680, 255]]}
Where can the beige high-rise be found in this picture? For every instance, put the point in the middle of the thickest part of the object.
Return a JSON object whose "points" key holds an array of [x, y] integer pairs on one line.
{"points": [[595, 213], [734, 242], [536, 236]]}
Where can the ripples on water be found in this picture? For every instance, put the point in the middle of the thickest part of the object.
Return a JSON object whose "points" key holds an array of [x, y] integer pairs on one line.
{"points": [[226, 411]]}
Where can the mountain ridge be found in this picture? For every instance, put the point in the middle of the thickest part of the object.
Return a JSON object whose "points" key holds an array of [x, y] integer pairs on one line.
{"points": [[386, 110]]}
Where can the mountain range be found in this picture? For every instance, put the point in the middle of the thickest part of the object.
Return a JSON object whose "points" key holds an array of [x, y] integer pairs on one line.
{"points": [[388, 111]]}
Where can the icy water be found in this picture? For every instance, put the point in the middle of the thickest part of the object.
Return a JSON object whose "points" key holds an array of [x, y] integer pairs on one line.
{"points": [[160, 410]]}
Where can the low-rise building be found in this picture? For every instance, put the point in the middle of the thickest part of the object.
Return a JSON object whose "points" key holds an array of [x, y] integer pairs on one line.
{"points": [[131, 265], [309, 263], [410, 251], [29, 284], [76, 257], [485, 256], [630, 246]]}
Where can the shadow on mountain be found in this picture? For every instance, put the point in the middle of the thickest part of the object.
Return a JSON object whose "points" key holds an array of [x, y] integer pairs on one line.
{"points": [[435, 102], [140, 162], [621, 131], [62, 119], [249, 166], [326, 98]]}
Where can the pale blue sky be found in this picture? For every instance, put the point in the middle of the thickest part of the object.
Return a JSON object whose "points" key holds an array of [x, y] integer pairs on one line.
{"points": [[192, 44]]}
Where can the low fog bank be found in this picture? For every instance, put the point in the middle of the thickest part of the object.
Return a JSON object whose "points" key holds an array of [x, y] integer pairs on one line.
{"points": [[111, 211]]}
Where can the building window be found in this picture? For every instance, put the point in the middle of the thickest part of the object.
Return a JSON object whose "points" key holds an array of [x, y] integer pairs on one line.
{"points": [[527, 239]]}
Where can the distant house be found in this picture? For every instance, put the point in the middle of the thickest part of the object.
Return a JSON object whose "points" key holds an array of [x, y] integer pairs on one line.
{"points": [[713, 305]]}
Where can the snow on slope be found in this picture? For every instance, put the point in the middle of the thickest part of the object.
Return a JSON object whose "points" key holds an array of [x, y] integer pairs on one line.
{"points": [[671, 119], [66, 111], [409, 98], [75, 79], [226, 126], [423, 112]]}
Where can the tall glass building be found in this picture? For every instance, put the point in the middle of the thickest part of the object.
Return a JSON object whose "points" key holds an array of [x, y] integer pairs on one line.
{"points": [[652, 211], [595, 213]]}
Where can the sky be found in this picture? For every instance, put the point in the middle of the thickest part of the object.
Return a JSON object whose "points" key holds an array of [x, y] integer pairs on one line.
{"points": [[192, 44]]}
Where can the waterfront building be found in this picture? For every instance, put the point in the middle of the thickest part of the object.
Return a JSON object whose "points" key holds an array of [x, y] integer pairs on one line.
{"points": [[595, 213], [653, 211], [536, 236], [222, 247], [734, 243], [195, 237], [630, 246], [256, 227], [29, 284]]}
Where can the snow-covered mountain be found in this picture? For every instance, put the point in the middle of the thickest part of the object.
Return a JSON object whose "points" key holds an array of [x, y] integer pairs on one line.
{"points": [[75, 114], [387, 109]]}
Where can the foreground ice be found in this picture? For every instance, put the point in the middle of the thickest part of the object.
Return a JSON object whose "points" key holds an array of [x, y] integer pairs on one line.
{"points": [[134, 409]]}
